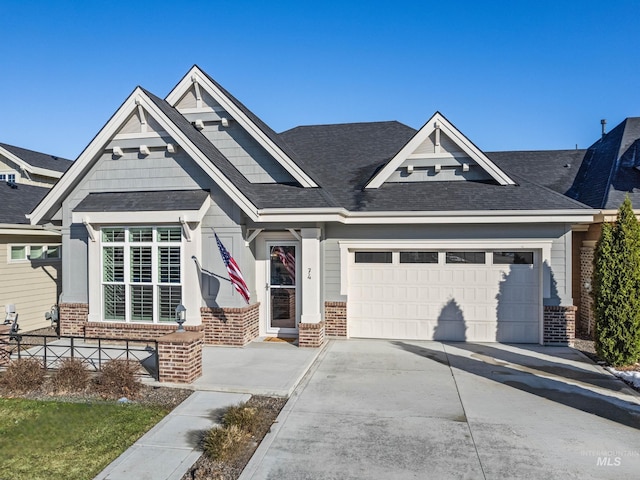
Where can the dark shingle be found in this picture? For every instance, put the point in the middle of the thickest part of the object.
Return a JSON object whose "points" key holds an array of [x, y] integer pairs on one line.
{"points": [[165, 200], [16, 202], [37, 159]]}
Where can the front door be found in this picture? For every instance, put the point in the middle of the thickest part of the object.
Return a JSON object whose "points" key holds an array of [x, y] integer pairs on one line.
{"points": [[282, 285]]}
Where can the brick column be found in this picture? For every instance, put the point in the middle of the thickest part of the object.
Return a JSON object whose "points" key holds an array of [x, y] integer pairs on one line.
{"points": [[180, 357], [335, 319], [230, 326], [587, 322], [73, 318], [311, 334], [559, 325]]}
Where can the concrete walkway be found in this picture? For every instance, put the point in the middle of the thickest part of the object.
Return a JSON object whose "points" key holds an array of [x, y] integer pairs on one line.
{"points": [[169, 449], [230, 376], [407, 409]]}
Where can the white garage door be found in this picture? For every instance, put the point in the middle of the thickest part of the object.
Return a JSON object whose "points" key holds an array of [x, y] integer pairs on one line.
{"points": [[478, 296]]}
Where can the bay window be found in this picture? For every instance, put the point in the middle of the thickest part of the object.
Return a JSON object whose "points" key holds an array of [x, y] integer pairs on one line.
{"points": [[141, 273]]}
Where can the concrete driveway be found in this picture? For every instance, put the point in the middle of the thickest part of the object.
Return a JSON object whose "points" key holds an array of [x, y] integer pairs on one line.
{"points": [[373, 409]]}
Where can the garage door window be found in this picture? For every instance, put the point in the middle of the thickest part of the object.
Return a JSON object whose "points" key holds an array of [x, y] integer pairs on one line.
{"points": [[418, 257], [373, 257], [513, 258], [466, 257]]}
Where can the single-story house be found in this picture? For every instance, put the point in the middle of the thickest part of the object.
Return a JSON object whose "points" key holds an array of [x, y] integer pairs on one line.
{"points": [[30, 255], [373, 230]]}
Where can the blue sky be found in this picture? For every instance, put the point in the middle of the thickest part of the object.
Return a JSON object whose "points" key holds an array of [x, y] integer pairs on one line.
{"points": [[512, 75]]}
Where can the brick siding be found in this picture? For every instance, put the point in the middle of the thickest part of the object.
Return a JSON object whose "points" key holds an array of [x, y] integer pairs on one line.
{"points": [[311, 334], [559, 325], [73, 318], [230, 326], [587, 315], [180, 356], [335, 319]]}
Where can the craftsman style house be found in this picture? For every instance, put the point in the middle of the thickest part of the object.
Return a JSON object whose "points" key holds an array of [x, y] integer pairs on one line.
{"points": [[30, 255], [370, 230]]}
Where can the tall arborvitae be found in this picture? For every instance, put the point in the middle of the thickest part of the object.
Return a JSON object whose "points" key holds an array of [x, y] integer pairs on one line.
{"points": [[617, 289]]}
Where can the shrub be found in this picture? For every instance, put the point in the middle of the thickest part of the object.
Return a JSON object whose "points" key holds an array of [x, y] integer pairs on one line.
{"points": [[23, 375], [243, 417], [225, 443], [118, 379], [617, 289], [71, 376]]}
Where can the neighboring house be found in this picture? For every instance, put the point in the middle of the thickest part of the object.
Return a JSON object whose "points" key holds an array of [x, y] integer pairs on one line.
{"points": [[600, 177], [30, 255], [354, 230]]}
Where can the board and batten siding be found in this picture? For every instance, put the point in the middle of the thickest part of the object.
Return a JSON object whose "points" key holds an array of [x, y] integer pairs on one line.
{"points": [[32, 286], [559, 235]]}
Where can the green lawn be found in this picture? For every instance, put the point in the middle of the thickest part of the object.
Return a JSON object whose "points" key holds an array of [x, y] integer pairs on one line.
{"points": [[67, 441]]}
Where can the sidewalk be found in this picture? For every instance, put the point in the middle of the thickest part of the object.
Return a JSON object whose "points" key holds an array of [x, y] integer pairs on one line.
{"points": [[168, 450]]}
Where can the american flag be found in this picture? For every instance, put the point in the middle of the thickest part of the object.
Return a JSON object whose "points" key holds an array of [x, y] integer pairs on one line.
{"points": [[234, 271], [288, 260]]}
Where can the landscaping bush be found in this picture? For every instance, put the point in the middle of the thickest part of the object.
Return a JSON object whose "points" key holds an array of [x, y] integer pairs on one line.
{"points": [[225, 443], [71, 376], [23, 375], [118, 379], [616, 290], [243, 417]]}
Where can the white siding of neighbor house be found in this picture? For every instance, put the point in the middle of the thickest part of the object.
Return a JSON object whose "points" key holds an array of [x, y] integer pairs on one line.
{"points": [[32, 286], [559, 235], [7, 166]]}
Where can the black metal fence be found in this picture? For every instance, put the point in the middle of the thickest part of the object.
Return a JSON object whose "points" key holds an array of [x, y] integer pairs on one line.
{"points": [[50, 350]]}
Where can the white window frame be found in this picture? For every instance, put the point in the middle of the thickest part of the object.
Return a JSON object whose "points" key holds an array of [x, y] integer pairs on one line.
{"points": [[155, 283], [6, 176], [27, 252]]}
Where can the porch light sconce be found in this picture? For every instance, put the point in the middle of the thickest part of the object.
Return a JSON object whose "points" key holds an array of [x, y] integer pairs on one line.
{"points": [[181, 317], [144, 150], [587, 287]]}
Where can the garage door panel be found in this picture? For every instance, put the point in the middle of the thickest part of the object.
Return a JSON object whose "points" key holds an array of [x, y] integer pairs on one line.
{"points": [[414, 301]]}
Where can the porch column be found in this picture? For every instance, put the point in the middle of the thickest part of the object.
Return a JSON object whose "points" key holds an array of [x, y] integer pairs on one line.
{"points": [[310, 273]]}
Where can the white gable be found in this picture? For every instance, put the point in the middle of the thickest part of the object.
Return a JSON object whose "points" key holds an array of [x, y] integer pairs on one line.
{"points": [[439, 152]]}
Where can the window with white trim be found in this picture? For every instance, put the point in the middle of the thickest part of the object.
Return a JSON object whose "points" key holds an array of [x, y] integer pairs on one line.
{"points": [[141, 273], [24, 253], [8, 177]]}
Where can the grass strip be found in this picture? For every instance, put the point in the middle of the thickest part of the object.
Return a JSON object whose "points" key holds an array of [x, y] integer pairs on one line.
{"points": [[67, 441]]}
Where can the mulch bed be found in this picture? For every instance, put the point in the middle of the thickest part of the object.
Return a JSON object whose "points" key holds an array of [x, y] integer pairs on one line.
{"points": [[207, 469]]}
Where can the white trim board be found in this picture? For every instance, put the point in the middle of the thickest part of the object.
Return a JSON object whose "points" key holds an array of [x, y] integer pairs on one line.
{"points": [[438, 121], [195, 75], [45, 172], [95, 149]]}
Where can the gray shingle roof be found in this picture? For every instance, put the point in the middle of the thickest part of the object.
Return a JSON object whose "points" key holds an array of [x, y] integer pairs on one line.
{"points": [[165, 200], [346, 156], [37, 159], [16, 202]]}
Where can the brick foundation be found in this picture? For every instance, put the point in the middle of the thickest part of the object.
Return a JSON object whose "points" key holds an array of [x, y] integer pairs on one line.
{"points": [[180, 356], [335, 319], [559, 325], [73, 318], [230, 326], [134, 331], [587, 322], [311, 334]]}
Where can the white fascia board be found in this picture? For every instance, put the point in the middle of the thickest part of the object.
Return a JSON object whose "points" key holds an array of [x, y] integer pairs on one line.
{"points": [[96, 147], [20, 229], [397, 218], [468, 147], [275, 151], [45, 172]]}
